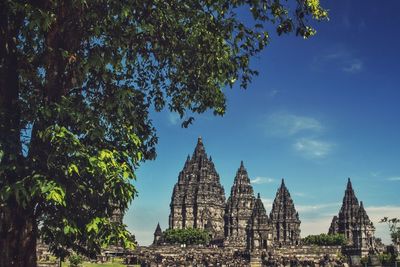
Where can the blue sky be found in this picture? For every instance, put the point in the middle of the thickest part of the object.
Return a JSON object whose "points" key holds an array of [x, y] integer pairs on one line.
{"points": [[320, 111]]}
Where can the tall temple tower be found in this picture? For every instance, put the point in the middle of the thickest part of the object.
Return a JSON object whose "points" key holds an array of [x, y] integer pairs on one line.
{"points": [[239, 209], [198, 199], [354, 223], [347, 219], [259, 232], [285, 219], [363, 233]]}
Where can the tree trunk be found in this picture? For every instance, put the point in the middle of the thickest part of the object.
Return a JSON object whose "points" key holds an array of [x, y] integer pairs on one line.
{"points": [[18, 229], [18, 234]]}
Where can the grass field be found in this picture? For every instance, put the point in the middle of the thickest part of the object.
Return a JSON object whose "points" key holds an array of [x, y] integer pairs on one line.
{"points": [[109, 264], [89, 264]]}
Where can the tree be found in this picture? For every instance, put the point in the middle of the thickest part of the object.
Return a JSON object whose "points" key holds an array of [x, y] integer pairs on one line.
{"points": [[393, 228], [188, 236], [325, 240], [77, 81]]}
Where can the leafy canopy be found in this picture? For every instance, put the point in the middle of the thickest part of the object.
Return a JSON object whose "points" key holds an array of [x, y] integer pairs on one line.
{"points": [[81, 77], [325, 240], [188, 236]]}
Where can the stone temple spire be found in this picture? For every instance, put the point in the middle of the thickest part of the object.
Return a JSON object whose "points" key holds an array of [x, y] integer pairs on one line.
{"points": [[362, 215], [198, 196], [334, 228], [347, 218], [199, 151], [363, 233], [285, 219], [259, 208], [354, 223], [157, 235], [238, 210], [259, 233]]}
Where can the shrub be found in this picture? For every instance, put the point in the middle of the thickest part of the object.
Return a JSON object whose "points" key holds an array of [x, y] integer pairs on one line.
{"points": [[325, 240], [75, 260], [188, 236]]}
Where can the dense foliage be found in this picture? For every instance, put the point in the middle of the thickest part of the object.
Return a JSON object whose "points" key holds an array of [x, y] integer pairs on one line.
{"points": [[325, 240], [77, 81], [188, 236], [394, 228]]}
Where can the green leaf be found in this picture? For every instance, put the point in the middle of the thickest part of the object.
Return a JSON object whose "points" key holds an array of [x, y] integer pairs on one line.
{"points": [[73, 169]]}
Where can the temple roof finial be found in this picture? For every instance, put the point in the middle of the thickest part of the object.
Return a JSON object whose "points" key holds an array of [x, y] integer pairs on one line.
{"points": [[199, 151], [283, 182], [258, 195], [241, 168], [349, 185]]}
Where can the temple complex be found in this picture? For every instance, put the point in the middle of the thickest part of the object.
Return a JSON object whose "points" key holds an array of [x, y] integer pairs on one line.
{"points": [[241, 231], [198, 201]]}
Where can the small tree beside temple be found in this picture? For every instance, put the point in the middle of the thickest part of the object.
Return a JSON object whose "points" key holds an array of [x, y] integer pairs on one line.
{"points": [[187, 236], [325, 240], [394, 229]]}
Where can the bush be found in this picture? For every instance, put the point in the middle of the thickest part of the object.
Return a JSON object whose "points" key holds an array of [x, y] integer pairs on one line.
{"points": [[325, 240], [387, 259], [75, 260], [188, 236]]}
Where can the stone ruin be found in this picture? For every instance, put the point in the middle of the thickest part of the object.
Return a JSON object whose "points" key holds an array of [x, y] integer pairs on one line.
{"points": [[242, 232], [198, 201], [242, 224], [354, 223]]}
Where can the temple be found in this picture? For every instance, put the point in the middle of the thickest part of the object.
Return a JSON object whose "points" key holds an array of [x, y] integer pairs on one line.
{"points": [[241, 223], [239, 209], [285, 219], [354, 223], [198, 197]]}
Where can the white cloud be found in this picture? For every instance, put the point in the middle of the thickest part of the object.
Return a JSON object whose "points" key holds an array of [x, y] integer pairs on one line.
{"points": [[173, 118], [340, 58], [315, 226], [396, 178], [318, 207], [299, 194], [374, 174], [273, 93], [285, 124], [353, 66], [267, 204], [262, 180], [312, 148], [316, 219]]}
